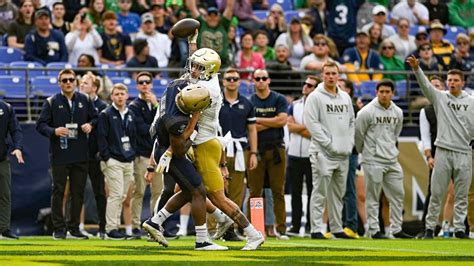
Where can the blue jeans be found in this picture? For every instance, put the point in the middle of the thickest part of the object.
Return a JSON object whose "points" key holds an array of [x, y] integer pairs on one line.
{"points": [[349, 213]]}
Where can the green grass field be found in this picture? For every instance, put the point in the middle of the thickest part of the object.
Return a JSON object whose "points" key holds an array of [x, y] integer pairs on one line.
{"points": [[45, 251]]}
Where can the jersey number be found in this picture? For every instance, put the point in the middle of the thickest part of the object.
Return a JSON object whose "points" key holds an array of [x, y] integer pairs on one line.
{"points": [[342, 11]]}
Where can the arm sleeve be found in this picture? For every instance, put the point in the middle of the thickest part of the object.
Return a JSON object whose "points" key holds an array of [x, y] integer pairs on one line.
{"points": [[44, 120], [399, 127], [102, 136], [96, 38], [351, 122], [361, 126], [251, 118], [15, 130], [428, 90], [71, 39], [425, 130], [313, 124]]}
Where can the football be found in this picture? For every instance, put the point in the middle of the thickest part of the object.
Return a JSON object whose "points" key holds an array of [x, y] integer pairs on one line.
{"points": [[185, 27]]}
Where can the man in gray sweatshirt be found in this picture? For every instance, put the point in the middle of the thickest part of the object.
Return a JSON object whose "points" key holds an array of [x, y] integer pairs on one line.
{"points": [[455, 113], [329, 117], [377, 128]]}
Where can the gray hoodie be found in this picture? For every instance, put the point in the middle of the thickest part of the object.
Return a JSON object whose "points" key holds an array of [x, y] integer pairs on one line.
{"points": [[455, 116], [330, 120], [376, 132]]}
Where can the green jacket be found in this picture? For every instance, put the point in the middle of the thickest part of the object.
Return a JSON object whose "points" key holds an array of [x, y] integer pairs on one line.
{"points": [[393, 64], [461, 14], [269, 55]]}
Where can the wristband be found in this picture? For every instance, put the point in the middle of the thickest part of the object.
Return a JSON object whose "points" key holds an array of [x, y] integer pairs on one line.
{"points": [[253, 153]]}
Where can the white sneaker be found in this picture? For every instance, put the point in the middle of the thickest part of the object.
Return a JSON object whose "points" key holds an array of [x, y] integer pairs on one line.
{"points": [[155, 231], [471, 235], [84, 232], [254, 242], [208, 245], [280, 236], [222, 228], [182, 232]]}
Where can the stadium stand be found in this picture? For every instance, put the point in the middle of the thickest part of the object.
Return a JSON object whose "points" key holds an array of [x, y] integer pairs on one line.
{"points": [[8, 55]]}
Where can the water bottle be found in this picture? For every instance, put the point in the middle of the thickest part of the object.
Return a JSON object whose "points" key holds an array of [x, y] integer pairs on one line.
{"points": [[63, 143], [445, 229]]}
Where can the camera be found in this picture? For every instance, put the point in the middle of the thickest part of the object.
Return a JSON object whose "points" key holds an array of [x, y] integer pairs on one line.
{"points": [[83, 17]]}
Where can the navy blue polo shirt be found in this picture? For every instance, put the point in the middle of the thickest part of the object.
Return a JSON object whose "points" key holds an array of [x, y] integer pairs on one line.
{"points": [[99, 106], [270, 107], [111, 130], [143, 118], [9, 126], [56, 113], [236, 117]]}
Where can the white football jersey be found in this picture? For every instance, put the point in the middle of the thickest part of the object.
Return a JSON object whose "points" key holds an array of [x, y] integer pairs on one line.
{"points": [[208, 124]]}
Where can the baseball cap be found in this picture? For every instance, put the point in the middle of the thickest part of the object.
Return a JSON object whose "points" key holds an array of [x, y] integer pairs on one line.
{"points": [[212, 9], [379, 9], [362, 32], [41, 12], [147, 17], [295, 19]]}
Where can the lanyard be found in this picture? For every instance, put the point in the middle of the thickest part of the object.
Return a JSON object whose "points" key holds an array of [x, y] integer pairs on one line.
{"points": [[124, 124]]}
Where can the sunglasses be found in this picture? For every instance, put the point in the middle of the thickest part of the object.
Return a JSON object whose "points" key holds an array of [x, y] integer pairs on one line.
{"points": [[421, 37], [232, 79], [261, 78], [143, 82], [309, 85], [320, 44], [66, 80], [158, 6], [462, 43], [388, 48]]}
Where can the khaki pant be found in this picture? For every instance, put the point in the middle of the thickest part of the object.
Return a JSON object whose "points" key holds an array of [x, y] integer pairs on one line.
{"points": [[118, 176], [470, 198], [276, 175], [235, 188], [156, 188]]}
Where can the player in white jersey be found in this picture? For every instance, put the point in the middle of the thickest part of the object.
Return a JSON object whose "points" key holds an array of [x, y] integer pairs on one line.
{"points": [[208, 151]]}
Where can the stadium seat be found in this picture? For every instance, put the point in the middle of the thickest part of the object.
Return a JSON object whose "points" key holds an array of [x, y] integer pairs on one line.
{"points": [[3, 71], [111, 71], [415, 28], [287, 5], [261, 14], [44, 86], [293, 13], [14, 87], [8, 55], [452, 32], [367, 89], [29, 65], [159, 86], [130, 83], [54, 68], [401, 89]]}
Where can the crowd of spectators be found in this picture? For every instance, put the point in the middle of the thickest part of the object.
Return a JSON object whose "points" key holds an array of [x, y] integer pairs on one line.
{"points": [[112, 32]]}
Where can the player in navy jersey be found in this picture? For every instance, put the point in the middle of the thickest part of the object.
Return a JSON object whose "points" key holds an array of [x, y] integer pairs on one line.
{"points": [[342, 21]]}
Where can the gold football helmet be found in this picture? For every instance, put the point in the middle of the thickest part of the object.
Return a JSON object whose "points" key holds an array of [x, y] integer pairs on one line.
{"points": [[204, 61], [193, 98]]}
